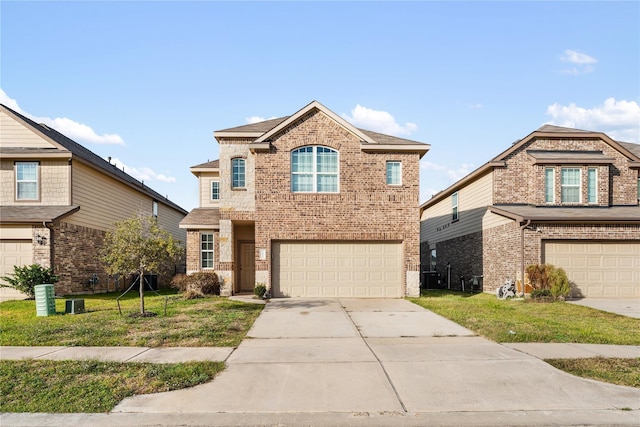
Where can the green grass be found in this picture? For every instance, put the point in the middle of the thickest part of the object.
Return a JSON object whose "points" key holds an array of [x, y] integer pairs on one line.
{"points": [[615, 371], [89, 385], [526, 321], [211, 321]]}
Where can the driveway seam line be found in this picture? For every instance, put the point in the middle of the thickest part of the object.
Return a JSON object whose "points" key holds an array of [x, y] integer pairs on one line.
{"points": [[386, 374]]}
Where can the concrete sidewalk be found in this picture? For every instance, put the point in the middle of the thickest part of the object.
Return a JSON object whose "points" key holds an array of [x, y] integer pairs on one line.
{"points": [[370, 362]]}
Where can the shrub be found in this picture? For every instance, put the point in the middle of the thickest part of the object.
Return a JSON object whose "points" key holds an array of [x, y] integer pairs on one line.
{"points": [[260, 290], [197, 285], [540, 293], [560, 286], [25, 278], [540, 275]]}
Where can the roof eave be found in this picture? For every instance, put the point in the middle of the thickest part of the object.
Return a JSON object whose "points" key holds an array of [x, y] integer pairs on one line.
{"points": [[40, 155], [199, 226], [565, 161], [228, 134], [259, 146], [487, 167], [421, 149]]}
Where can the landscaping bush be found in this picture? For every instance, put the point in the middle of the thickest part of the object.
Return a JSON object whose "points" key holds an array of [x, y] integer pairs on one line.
{"points": [[560, 287], [548, 282], [25, 278], [260, 290], [197, 285]]}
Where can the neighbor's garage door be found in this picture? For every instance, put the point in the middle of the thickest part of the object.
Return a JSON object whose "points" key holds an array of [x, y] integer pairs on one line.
{"points": [[599, 269], [337, 269], [13, 252]]}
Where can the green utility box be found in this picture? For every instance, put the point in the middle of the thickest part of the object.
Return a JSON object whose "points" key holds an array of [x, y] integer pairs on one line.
{"points": [[45, 300]]}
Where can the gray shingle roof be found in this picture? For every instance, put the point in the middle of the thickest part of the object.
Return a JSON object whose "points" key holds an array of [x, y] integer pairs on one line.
{"points": [[214, 164], [34, 214], [612, 214], [560, 129], [201, 217], [634, 148], [95, 160]]}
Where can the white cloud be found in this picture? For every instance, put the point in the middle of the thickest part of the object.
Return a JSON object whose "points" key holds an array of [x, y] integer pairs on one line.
{"points": [[70, 128], [142, 173], [257, 119], [618, 119], [582, 62], [378, 121], [460, 172], [430, 166], [577, 58]]}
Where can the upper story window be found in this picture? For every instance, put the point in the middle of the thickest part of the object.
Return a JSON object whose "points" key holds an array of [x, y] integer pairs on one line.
{"points": [[27, 180], [215, 190], [549, 185], [238, 173], [394, 173], [314, 169], [592, 185], [570, 185], [454, 206], [206, 250], [155, 209]]}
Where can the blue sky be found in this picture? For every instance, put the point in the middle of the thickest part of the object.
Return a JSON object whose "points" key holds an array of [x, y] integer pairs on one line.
{"points": [[148, 82]]}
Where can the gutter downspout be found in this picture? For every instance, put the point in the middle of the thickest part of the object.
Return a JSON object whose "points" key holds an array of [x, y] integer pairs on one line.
{"points": [[522, 228]]}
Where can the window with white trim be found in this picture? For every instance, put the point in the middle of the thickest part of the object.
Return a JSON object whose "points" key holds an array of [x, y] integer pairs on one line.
{"points": [[27, 180], [592, 185], [314, 169], [394, 173], [154, 209], [238, 173], [215, 190], [454, 206], [549, 185], [570, 184], [206, 250]]}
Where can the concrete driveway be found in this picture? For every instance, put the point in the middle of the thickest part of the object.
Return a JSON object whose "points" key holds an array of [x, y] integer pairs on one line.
{"points": [[378, 356]]}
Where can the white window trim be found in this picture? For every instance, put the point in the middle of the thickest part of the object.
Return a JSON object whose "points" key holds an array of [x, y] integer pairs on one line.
{"points": [[596, 186], [212, 251], [244, 175], [579, 185], [553, 186], [211, 190], [315, 173], [37, 181], [399, 163], [455, 210], [154, 209]]}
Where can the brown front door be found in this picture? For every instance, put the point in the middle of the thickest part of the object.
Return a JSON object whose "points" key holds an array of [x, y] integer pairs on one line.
{"points": [[247, 267]]}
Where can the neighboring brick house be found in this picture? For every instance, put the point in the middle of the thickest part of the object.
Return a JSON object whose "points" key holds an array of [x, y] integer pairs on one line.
{"points": [[562, 196], [310, 206], [57, 200]]}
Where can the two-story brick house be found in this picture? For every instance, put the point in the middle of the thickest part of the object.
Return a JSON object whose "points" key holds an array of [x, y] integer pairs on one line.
{"points": [[57, 200], [562, 196], [310, 206]]}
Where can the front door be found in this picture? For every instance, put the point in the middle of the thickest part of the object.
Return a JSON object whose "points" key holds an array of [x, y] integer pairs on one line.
{"points": [[247, 267]]}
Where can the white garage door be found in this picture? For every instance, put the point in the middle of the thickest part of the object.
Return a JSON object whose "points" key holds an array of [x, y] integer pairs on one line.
{"points": [[599, 269], [13, 252], [337, 269]]}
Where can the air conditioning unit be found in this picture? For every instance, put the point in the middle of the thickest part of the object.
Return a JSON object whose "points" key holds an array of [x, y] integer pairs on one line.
{"points": [[74, 306]]}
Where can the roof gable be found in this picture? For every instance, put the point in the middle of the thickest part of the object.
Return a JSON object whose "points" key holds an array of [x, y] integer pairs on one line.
{"points": [[87, 156], [309, 107]]}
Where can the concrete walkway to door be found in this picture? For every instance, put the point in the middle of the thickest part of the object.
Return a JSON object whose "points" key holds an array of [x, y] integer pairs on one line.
{"points": [[381, 356]]}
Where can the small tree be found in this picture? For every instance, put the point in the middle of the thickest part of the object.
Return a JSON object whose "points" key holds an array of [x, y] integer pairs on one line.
{"points": [[137, 246], [25, 278]]}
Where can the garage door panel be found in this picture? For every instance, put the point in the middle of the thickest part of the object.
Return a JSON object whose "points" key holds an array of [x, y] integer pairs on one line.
{"points": [[13, 252], [598, 268], [337, 269]]}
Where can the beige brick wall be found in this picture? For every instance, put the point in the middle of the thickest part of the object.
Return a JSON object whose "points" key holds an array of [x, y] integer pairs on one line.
{"points": [[523, 182], [365, 209]]}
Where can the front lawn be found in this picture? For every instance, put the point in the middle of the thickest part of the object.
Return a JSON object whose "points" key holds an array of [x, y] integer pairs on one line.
{"points": [[210, 321], [89, 385], [526, 321]]}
